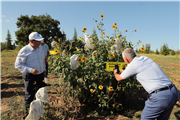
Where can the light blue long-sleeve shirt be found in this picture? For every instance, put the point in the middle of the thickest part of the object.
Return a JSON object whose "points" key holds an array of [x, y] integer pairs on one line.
{"points": [[147, 72], [29, 58]]}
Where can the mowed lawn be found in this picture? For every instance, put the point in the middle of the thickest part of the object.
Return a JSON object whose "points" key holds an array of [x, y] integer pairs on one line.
{"points": [[12, 83]]}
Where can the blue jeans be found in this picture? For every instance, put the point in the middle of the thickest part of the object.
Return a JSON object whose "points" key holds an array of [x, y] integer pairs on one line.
{"points": [[159, 105]]}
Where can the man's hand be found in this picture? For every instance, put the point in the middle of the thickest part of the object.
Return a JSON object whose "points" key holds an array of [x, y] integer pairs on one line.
{"points": [[117, 76], [121, 71], [34, 71]]}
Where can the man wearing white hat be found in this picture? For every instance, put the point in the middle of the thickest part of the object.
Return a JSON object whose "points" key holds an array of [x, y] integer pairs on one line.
{"points": [[30, 62]]}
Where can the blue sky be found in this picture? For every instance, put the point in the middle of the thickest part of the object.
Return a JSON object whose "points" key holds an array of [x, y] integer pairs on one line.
{"points": [[156, 22]]}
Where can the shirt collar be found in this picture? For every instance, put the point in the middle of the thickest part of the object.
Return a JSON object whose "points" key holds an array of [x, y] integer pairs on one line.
{"points": [[30, 47]]}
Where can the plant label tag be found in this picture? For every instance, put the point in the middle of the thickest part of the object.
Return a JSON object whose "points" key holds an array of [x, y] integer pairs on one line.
{"points": [[111, 65]]}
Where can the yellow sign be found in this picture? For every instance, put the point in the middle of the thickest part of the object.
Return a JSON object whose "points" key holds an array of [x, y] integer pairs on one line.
{"points": [[110, 66], [52, 52]]}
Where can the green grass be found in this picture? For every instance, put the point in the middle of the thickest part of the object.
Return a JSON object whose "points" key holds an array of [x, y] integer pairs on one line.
{"points": [[169, 64]]}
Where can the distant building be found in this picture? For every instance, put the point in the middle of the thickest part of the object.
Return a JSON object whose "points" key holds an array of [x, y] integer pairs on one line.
{"points": [[148, 46]]}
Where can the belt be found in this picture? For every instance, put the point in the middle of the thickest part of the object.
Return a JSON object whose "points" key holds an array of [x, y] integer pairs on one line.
{"points": [[161, 89]]}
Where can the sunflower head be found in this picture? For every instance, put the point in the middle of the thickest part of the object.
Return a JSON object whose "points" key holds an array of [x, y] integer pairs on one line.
{"points": [[94, 55], [111, 55], [114, 105], [119, 88], [84, 29], [57, 57], [125, 30], [57, 44], [91, 90], [79, 60], [96, 26], [102, 16], [100, 87], [80, 37], [56, 51], [115, 23], [142, 48], [103, 33], [64, 43], [111, 88], [113, 26]]}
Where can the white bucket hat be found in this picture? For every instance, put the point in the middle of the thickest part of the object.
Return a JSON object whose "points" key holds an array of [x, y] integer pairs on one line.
{"points": [[35, 36]]}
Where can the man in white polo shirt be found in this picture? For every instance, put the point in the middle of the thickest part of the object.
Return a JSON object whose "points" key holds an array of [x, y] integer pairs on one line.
{"points": [[30, 62], [162, 94]]}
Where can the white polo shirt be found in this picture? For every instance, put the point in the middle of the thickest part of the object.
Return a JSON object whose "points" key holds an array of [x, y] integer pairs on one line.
{"points": [[29, 58], [147, 72]]}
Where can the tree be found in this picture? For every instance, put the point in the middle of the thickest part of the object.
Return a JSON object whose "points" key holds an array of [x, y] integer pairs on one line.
{"points": [[8, 39], [42, 24], [165, 49], [173, 52], [157, 52]]}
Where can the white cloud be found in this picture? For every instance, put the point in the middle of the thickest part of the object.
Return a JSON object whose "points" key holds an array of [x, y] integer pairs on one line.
{"points": [[11, 18], [7, 20], [3, 16]]}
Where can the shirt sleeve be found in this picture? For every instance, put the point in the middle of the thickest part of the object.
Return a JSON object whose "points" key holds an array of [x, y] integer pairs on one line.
{"points": [[20, 62], [128, 72]]}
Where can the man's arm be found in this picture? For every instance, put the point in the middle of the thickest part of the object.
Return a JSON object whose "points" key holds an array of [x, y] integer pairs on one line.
{"points": [[117, 76]]}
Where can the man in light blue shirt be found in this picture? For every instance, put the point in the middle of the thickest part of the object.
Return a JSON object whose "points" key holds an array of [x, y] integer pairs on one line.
{"points": [[30, 61], [162, 94]]}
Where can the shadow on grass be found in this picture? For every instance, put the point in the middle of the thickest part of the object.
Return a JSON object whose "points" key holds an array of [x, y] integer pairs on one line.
{"points": [[11, 94], [6, 85]]}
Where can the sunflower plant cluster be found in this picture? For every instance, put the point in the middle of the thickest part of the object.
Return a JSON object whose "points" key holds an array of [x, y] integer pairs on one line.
{"points": [[97, 87]]}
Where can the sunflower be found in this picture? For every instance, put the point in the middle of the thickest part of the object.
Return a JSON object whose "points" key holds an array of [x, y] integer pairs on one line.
{"points": [[92, 43], [108, 41], [95, 20], [101, 37], [60, 61], [115, 23], [118, 105], [111, 55], [53, 64], [91, 90], [80, 37], [135, 30], [154, 59], [100, 87], [84, 58], [94, 55], [77, 49], [4, 68], [64, 52], [113, 26], [102, 15], [117, 37], [79, 60], [70, 47], [1, 60], [84, 29], [49, 57], [64, 43], [43, 81], [96, 26], [127, 44], [125, 30], [89, 55], [57, 44], [114, 105], [57, 57], [71, 42], [111, 88], [142, 48], [116, 27], [119, 88], [103, 33], [56, 51], [34, 82], [59, 39]]}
